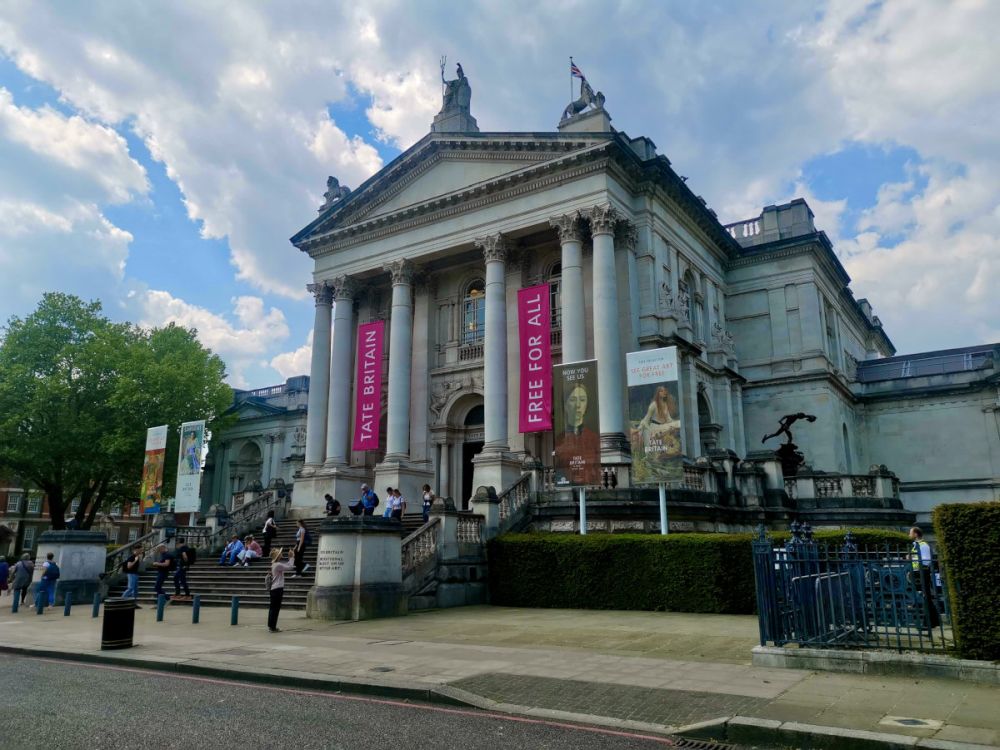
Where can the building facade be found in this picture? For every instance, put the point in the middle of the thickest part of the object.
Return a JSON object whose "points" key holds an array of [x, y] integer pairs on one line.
{"points": [[438, 243]]}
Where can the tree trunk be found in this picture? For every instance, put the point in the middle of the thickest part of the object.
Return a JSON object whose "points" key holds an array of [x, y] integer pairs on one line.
{"points": [[95, 503], [57, 508]]}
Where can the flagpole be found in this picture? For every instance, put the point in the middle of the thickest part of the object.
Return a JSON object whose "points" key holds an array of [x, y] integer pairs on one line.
{"points": [[571, 78]]}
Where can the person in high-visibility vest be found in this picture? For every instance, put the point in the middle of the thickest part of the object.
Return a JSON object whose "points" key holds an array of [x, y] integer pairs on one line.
{"points": [[921, 561]]}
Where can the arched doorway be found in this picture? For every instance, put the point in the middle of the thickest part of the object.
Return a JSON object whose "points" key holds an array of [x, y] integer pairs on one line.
{"points": [[248, 466], [708, 430], [471, 446]]}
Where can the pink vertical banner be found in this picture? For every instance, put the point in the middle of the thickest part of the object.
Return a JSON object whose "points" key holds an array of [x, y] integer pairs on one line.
{"points": [[368, 392], [534, 321]]}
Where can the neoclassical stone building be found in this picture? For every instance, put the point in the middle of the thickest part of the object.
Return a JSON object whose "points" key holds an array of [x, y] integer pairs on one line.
{"points": [[438, 243]]}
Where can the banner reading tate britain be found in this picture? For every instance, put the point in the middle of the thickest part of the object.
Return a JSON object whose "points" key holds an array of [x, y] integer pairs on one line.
{"points": [[577, 434], [188, 495], [654, 416], [152, 469], [368, 393], [534, 319]]}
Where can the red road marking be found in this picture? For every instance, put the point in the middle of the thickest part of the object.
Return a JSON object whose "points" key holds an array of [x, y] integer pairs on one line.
{"points": [[362, 699]]}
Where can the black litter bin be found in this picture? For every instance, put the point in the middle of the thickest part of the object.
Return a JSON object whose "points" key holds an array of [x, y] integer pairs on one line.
{"points": [[119, 624]]}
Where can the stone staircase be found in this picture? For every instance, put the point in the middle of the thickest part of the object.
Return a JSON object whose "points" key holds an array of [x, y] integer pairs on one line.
{"points": [[218, 585]]}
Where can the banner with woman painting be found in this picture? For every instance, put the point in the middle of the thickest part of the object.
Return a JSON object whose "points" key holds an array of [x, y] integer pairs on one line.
{"points": [[188, 495], [575, 423], [654, 416], [152, 469]]}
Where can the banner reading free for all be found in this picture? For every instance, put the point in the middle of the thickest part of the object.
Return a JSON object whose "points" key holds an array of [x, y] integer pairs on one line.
{"points": [[534, 319]]}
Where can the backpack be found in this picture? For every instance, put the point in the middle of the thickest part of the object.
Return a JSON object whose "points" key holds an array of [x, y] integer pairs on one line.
{"points": [[375, 503], [268, 582], [51, 572], [306, 539]]}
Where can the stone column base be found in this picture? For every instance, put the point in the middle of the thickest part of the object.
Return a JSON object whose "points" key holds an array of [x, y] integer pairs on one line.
{"points": [[365, 602], [408, 476], [343, 482], [497, 469]]}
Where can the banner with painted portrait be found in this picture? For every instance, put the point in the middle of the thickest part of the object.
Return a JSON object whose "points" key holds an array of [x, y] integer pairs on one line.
{"points": [[654, 416], [575, 424], [188, 496], [151, 489]]}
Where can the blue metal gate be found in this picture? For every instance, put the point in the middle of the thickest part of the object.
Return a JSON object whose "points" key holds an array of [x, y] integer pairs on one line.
{"points": [[842, 596]]}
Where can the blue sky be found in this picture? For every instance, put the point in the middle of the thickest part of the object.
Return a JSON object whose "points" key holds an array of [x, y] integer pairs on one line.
{"points": [[159, 157]]}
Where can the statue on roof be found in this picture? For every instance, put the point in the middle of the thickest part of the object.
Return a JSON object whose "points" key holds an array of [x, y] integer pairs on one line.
{"points": [[457, 92], [588, 97], [334, 192]]}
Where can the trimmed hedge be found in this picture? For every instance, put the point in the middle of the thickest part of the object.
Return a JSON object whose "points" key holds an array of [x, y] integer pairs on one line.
{"points": [[969, 545], [681, 572]]}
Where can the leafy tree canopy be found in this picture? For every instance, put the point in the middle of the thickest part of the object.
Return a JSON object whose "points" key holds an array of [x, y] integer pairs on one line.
{"points": [[78, 391]]}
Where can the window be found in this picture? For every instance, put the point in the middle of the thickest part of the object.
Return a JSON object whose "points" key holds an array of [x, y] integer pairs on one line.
{"points": [[474, 313], [29, 538], [133, 534], [74, 506], [133, 509], [116, 509], [34, 504], [14, 502], [555, 294]]}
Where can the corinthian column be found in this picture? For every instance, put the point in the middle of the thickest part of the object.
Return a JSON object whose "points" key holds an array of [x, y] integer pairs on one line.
{"points": [[607, 347], [400, 353], [574, 341], [494, 250], [319, 377], [339, 414]]}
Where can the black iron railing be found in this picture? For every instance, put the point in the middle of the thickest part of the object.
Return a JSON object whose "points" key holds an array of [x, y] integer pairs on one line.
{"points": [[829, 596]]}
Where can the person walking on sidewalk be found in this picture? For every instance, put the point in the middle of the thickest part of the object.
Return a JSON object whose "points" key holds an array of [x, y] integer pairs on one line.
{"points": [[47, 585], [270, 531], [277, 588], [183, 556], [302, 541], [163, 563], [24, 571], [131, 568], [922, 559]]}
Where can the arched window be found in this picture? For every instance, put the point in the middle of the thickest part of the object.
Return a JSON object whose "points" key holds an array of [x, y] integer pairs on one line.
{"points": [[474, 313], [847, 449], [555, 294], [476, 416]]}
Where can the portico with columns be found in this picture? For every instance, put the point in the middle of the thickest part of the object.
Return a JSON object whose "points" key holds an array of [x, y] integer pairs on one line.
{"points": [[438, 243]]}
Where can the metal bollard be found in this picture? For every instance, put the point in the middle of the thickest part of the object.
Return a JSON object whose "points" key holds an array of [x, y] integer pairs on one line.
{"points": [[161, 602], [40, 597], [17, 602], [234, 614], [67, 603], [196, 609], [97, 606]]}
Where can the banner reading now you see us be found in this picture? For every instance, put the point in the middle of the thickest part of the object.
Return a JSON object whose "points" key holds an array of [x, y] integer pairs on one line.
{"points": [[368, 393], [534, 320]]}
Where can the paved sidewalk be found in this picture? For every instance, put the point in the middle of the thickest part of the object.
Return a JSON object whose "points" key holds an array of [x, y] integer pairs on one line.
{"points": [[654, 670]]}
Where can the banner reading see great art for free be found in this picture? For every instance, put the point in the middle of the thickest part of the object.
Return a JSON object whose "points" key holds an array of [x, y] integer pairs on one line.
{"points": [[152, 469], [577, 434], [368, 393], [534, 319], [654, 416], [188, 495]]}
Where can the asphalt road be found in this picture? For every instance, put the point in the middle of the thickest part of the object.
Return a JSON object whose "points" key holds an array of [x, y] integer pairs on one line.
{"points": [[62, 706]]}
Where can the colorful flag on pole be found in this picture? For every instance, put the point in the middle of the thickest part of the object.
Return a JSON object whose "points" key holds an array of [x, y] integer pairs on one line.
{"points": [[152, 469], [575, 71]]}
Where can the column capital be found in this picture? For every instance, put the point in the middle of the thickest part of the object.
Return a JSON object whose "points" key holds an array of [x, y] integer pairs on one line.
{"points": [[495, 247], [401, 272], [568, 227], [344, 288], [321, 292], [603, 219], [626, 235]]}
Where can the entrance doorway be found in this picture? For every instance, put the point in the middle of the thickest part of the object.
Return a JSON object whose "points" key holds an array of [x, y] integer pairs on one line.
{"points": [[469, 451]]}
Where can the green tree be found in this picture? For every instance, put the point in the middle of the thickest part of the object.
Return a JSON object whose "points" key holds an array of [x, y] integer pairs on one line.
{"points": [[78, 391]]}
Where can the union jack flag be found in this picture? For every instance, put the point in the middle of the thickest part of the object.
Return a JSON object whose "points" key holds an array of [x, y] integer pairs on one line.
{"points": [[575, 71]]}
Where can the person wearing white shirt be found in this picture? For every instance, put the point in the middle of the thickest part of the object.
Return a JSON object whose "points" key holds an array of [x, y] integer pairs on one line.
{"points": [[398, 504]]}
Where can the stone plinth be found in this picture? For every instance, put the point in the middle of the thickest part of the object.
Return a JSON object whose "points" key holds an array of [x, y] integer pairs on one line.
{"points": [[408, 476], [359, 573], [343, 482], [81, 557]]}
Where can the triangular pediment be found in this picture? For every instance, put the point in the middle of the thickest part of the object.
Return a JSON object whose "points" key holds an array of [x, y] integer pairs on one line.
{"points": [[253, 408], [441, 166]]}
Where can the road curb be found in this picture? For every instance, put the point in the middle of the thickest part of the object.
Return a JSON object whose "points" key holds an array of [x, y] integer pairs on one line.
{"points": [[746, 730]]}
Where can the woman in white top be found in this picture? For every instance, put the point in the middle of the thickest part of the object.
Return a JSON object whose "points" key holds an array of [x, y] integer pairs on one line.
{"points": [[428, 502], [277, 591], [270, 531]]}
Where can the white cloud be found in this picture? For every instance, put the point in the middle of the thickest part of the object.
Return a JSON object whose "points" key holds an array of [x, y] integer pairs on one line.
{"points": [[239, 343], [296, 362]]}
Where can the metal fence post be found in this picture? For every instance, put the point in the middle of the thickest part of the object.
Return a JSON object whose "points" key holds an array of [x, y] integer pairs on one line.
{"points": [[161, 602], [234, 612], [196, 609], [67, 603], [96, 611]]}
